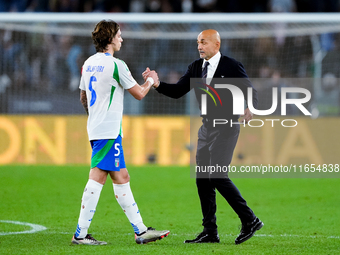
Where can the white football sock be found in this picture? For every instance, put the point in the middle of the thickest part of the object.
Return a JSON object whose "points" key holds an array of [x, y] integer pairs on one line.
{"points": [[89, 203], [127, 202]]}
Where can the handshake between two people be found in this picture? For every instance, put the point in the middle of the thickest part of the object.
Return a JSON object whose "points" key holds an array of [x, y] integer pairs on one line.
{"points": [[247, 116], [151, 73]]}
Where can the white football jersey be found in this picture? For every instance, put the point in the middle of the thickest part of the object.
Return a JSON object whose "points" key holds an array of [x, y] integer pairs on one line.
{"points": [[104, 79]]}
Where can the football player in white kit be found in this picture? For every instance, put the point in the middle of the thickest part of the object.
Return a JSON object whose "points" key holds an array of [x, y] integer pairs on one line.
{"points": [[103, 81]]}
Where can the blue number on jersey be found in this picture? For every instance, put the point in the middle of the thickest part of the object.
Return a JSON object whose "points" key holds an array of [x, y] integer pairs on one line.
{"points": [[93, 93]]}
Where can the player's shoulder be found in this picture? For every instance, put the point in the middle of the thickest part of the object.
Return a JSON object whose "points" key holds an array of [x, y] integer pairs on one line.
{"points": [[119, 60], [93, 57], [121, 63], [87, 64], [89, 59]]}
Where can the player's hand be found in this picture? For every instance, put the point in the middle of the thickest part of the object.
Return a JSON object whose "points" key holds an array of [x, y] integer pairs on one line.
{"points": [[153, 74], [146, 73], [155, 78], [247, 116]]}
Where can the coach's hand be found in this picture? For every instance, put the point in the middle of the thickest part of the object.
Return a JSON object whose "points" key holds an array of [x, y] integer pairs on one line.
{"points": [[247, 116]]}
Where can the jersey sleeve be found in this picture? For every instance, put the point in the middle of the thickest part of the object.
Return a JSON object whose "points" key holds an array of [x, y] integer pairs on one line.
{"points": [[124, 75]]}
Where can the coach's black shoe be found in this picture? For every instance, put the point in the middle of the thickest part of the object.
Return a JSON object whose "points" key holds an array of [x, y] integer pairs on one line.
{"points": [[205, 238], [248, 230]]}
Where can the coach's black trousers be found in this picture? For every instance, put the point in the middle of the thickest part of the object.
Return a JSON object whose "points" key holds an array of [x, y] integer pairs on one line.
{"points": [[215, 148]]}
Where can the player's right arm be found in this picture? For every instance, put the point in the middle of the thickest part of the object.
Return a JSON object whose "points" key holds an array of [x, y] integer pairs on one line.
{"points": [[83, 100]]}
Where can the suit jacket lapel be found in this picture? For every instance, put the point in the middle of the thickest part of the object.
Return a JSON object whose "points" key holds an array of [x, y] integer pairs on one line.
{"points": [[219, 69], [199, 74]]}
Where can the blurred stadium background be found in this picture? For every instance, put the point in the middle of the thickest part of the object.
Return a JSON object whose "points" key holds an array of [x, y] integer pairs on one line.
{"points": [[44, 43], [280, 42]]}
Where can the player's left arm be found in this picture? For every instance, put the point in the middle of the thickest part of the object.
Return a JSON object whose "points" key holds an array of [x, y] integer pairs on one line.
{"points": [[83, 100]]}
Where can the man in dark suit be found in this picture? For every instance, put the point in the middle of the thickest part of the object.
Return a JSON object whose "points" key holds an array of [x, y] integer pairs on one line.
{"points": [[216, 143]]}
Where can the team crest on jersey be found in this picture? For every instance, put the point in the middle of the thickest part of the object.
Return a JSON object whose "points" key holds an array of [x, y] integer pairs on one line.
{"points": [[117, 162]]}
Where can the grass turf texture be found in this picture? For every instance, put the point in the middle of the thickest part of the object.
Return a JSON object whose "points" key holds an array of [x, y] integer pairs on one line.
{"points": [[300, 215]]}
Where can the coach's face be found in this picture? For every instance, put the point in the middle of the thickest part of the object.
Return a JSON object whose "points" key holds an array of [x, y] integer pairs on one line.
{"points": [[117, 41], [208, 43]]}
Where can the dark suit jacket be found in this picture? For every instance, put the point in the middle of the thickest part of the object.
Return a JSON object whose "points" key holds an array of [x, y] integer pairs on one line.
{"points": [[227, 68]]}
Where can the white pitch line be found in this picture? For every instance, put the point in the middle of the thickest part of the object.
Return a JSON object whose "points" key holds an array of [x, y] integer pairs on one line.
{"points": [[265, 235], [258, 235], [40, 228], [289, 235], [35, 228]]}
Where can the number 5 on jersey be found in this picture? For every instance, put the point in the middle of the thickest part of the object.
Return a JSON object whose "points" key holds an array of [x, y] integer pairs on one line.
{"points": [[93, 93]]}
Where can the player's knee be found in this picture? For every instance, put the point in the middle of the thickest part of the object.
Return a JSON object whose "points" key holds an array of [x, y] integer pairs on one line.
{"points": [[120, 177], [124, 178], [98, 175]]}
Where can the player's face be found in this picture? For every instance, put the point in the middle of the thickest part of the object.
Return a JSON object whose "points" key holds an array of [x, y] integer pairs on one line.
{"points": [[117, 41], [207, 47]]}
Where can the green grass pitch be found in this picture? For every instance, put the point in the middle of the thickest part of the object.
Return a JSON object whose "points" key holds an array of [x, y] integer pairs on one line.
{"points": [[301, 216]]}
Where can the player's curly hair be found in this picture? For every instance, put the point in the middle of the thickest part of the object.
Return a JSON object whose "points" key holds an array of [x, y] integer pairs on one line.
{"points": [[103, 33]]}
